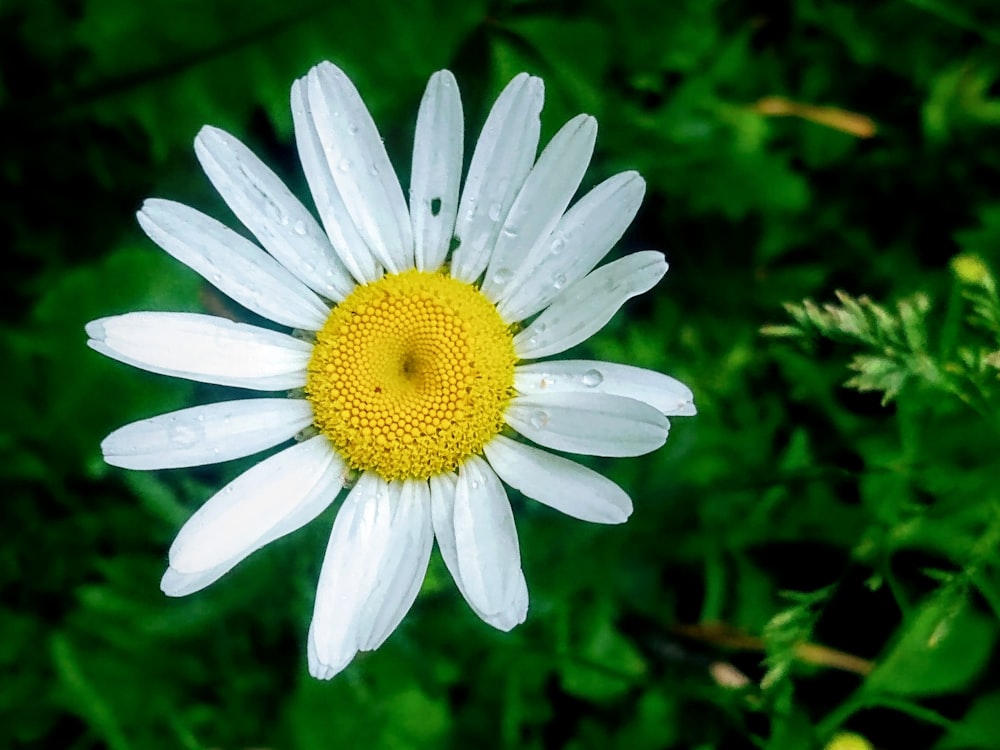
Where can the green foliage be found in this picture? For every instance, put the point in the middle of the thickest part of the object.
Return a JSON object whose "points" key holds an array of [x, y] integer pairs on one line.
{"points": [[808, 565]]}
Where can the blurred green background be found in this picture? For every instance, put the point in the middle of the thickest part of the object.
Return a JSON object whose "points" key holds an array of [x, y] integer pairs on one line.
{"points": [[808, 565]]}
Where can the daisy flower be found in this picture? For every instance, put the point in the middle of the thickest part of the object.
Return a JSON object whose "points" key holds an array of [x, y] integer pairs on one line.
{"points": [[412, 371]]}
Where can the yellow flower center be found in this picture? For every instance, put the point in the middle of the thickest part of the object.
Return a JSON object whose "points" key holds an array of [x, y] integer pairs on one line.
{"points": [[411, 374]]}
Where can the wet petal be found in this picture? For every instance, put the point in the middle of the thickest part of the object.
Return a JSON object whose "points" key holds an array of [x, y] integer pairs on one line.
{"points": [[558, 482], [437, 170], [234, 265], [579, 241], [203, 348], [176, 583], [375, 561], [664, 393], [206, 434], [486, 547], [337, 221], [244, 513], [402, 570], [267, 208], [594, 424], [443, 504], [585, 307], [360, 166], [502, 159], [547, 191]]}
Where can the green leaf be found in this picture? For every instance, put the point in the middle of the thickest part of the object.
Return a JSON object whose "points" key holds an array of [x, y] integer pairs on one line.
{"points": [[942, 648], [978, 729]]}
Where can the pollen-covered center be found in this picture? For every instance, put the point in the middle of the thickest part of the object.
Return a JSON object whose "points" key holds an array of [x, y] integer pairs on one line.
{"points": [[411, 374]]}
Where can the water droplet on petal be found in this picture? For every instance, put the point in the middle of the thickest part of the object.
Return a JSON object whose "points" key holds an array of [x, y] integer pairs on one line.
{"points": [[559, 281], [538, 419], [557, 245], [299, 228], [345, 165], [494, 212], [592, 378], [352, 129], [502, 276], [216, 277]]}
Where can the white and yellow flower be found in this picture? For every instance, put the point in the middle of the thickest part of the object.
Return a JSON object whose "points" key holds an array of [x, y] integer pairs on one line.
{"points": [[418, 369]]}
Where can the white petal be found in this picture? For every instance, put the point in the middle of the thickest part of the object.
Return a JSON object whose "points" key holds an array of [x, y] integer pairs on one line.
{"points": [[664, 393], [267, 208], [594, 424], [206, 434], [486, 549], [437, 170], [339, 225], [585, 307], [176, 583], [546, 192], [360, 541], [203, 348], [502, 159], [402, 570], [235, 265], [236, 520], [580, 240], [360, 166], [443, 505], [558, 482]]}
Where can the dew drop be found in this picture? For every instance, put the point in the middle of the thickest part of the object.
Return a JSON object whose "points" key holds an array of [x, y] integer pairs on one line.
{"points": [[539, 419], [494, 212], [592, 378], [475, 484], [502, 276], [559, 281], [299, 228], [352, 129], [557, 245], [216, 277], [345, 165]]}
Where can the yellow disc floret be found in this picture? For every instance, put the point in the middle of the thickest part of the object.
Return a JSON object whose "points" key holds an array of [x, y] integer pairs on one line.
{"points": [[411, 374]]}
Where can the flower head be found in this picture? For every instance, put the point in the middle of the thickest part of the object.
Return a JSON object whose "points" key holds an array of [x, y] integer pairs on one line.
{"points": [[414, 367]]}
